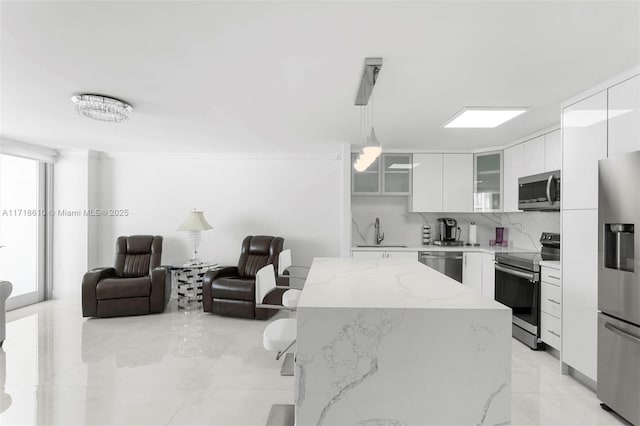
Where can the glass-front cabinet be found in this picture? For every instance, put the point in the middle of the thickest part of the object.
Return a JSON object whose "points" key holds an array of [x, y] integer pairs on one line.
{"points": [[367, 181], [389, 174], [487, 186]]}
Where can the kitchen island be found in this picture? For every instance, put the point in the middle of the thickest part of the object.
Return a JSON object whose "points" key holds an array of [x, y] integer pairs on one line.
{"points": [[394, 342]]}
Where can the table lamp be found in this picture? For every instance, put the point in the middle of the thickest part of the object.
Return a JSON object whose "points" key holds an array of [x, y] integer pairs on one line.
{"points": [[195, 223]]}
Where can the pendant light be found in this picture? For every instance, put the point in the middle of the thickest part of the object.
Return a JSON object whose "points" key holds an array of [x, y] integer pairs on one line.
{"points": [[371, 148]]}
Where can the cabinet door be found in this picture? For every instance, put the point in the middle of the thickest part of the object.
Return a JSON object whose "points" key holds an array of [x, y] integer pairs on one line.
{"points": [[580, 290], [402, 255], [427, 183], [396, 174], [513, 168], [624, 117], [457, 191], [487, 185], [368, 181], [472, 271], [534, 156], [488, 275], [552, 151], [368, 254], [584, 142]]}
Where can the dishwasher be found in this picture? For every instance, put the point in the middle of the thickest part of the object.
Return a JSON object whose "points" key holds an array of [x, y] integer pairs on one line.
{"points": [[445, 262]]}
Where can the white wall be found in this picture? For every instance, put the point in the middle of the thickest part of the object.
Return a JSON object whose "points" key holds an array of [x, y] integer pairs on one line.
{"points": [[298, 197], [70, 233]]}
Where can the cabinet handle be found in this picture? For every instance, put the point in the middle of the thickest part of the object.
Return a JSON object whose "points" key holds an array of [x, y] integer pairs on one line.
{"points": [[553, 301], [622, 333], [553, 276], [465, 260], [553, 332]]}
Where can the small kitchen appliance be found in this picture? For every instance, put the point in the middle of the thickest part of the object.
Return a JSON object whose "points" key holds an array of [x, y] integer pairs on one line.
{"points": [[517, 285], [449, 233], [539, 192]]}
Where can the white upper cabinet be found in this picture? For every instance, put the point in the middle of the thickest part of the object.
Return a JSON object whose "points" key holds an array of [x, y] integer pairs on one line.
{"points": [[624, 117], [389, 174], [427, 183], [458, 183], [534, 156], [584, 127], [487, 187], [513, 168], [552, 151], [368, 181]]}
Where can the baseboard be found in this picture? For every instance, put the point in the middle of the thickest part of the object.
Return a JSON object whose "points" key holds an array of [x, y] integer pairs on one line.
{"points": [[580, 377]]}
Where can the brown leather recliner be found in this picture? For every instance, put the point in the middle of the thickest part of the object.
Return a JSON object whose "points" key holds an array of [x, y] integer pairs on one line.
{"points": [[137, 285], [231, 290]]}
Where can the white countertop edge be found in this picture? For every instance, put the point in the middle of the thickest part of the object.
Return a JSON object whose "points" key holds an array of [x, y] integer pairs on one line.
{"points": [[555, 264]]}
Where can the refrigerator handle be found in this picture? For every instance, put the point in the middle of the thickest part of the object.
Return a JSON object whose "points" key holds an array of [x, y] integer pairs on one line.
{"points": [[622, 333]]}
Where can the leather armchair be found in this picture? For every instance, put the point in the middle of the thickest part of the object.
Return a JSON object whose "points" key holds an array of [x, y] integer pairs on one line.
{"points": [[231, 291], [136, 285]]}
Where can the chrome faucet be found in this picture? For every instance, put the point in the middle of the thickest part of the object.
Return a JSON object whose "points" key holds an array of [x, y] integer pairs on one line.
{"points": [[379, 235]]}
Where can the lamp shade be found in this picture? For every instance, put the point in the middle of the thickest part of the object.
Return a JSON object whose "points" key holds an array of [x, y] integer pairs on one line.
{"points": [[195, 221], [372, 148]]}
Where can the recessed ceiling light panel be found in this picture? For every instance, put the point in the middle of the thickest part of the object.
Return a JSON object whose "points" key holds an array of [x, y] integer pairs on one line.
{"points": [[483, 117]]}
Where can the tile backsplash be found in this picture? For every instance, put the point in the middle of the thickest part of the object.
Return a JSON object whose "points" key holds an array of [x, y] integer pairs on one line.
{"points": [[401, 227]]}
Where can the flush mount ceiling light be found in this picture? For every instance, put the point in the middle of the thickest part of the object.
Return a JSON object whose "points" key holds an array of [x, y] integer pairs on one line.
{"points": [[483, 117], [102, 108]]}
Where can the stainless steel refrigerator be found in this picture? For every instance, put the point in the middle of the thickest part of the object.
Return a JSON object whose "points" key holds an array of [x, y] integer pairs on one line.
{"points": [[619, 285]]}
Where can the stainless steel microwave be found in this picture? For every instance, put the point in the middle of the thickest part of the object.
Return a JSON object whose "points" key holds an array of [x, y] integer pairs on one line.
{"points": [[539, 192]]}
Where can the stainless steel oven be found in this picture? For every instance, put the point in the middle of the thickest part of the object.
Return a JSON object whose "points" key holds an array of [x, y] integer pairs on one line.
{"points": [[517, 285], [539, 192], [519, 289]]}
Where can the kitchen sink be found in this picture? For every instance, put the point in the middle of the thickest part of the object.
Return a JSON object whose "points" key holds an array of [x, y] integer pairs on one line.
{"points": [[383, 246]]}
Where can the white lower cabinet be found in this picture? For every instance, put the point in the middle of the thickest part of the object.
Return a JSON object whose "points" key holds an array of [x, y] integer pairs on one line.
{"points": [[580, 290], [472, 270], [488, 275], [385, 254], [551, 307]]}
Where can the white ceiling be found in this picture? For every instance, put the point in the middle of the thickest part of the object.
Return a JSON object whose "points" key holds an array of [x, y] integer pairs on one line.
{"points": [[282, 76]]}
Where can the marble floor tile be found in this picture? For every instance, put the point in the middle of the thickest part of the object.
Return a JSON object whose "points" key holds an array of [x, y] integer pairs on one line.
{"points": [[192, 368]]}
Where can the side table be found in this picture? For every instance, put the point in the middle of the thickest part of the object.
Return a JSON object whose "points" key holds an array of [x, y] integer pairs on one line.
{"points": [[188, 282]]}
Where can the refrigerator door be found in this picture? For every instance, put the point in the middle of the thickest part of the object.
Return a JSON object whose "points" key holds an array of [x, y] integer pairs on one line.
{"points": [[618, 248], [619, 367]]}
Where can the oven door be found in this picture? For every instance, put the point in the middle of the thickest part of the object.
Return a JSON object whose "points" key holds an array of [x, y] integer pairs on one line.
{"points": [[520, 290]]}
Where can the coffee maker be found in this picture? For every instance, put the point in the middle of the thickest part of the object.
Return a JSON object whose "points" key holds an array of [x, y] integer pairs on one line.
{"points": [[449, 232]]}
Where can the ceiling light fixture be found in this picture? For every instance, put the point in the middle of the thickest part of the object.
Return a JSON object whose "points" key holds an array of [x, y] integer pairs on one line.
{"points": [[102, 108], [371, 148], [483, 117]]}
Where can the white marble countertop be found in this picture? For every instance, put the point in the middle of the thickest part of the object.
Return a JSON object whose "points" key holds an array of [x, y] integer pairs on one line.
{"points": [[431, 247], [346, 282], [555, 264]]}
